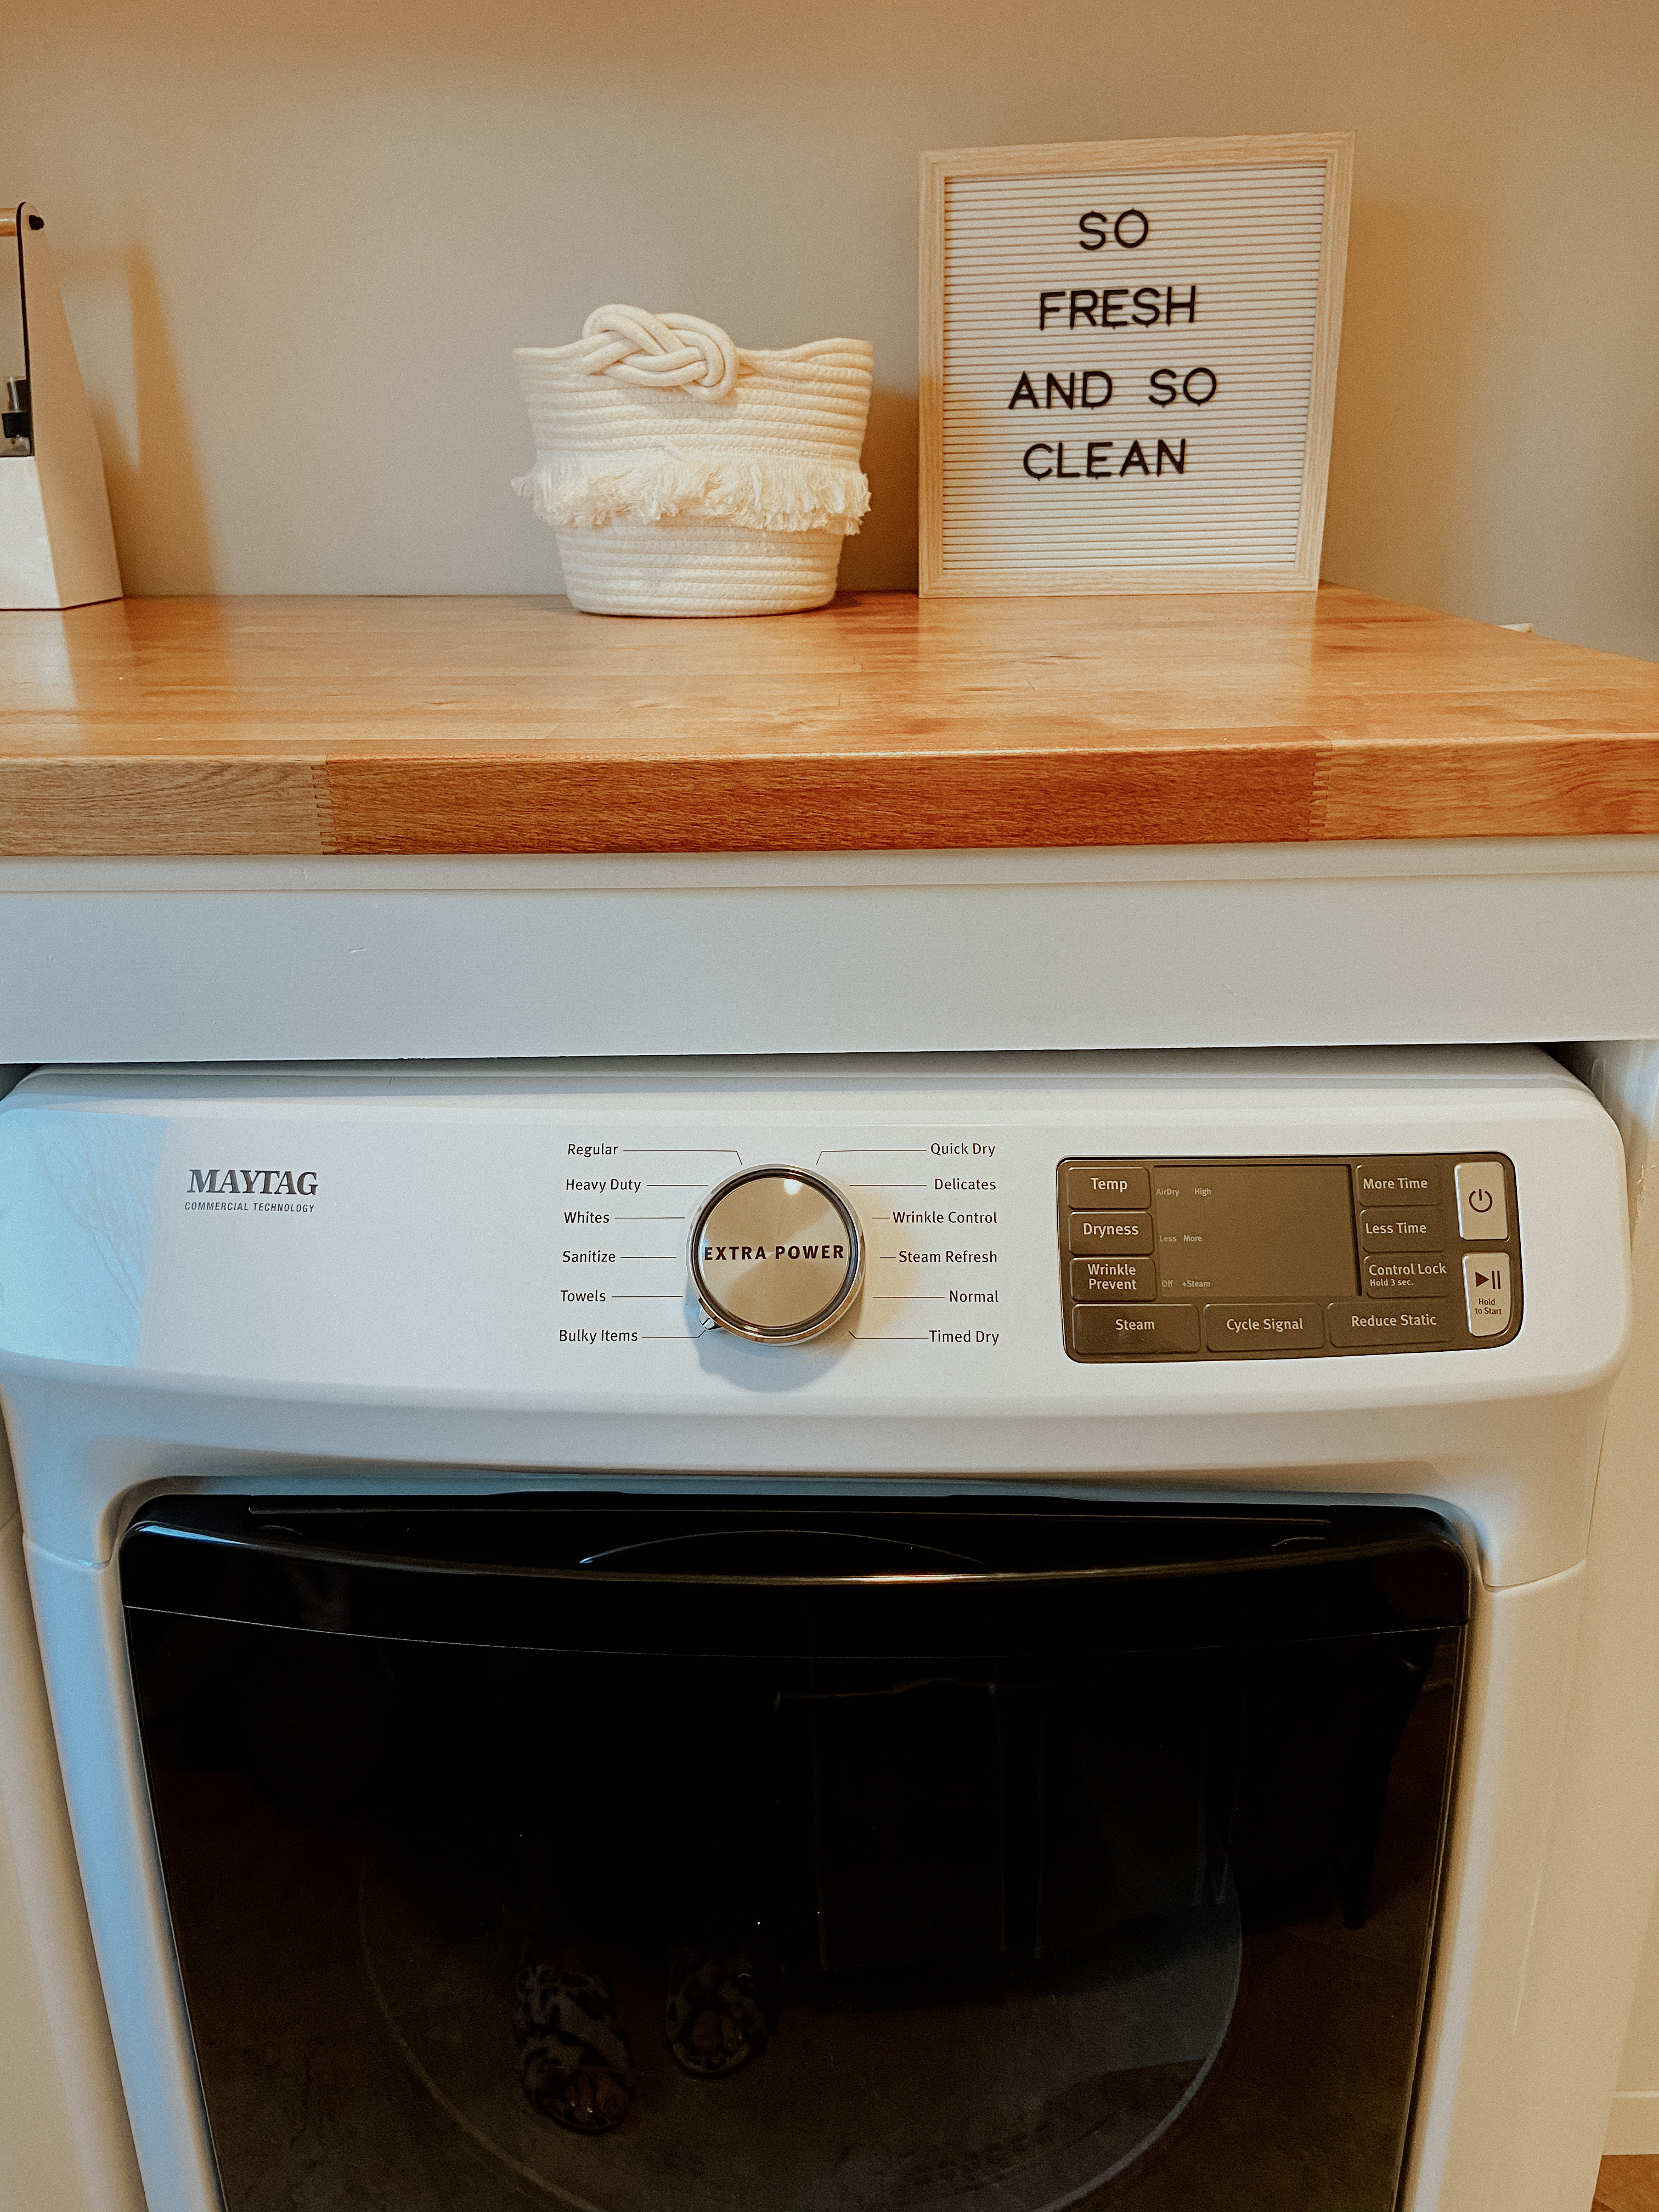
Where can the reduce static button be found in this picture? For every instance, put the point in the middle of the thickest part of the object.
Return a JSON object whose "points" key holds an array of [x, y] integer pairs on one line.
{"points": [[1400, 1328], [1132, 1332]]}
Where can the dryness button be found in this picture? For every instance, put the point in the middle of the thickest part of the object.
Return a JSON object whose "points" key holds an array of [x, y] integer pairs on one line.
{"points": [[1487, 1286], [1111, 1232], [1482, 1211]]}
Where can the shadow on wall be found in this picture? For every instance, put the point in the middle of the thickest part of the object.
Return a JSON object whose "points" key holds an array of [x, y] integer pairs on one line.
{"points": [[1404, 402], [156, 501], [883, 557]]}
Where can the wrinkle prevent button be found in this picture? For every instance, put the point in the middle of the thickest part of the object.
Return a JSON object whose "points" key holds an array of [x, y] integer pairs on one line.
{"points": [[1112, 1277]]}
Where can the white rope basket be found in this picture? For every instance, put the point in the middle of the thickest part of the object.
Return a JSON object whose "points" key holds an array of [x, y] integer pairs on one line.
{"points": [[685, 476]]}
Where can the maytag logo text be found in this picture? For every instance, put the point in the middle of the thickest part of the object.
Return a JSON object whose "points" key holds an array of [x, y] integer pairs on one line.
{"points": [[254, 1182]]}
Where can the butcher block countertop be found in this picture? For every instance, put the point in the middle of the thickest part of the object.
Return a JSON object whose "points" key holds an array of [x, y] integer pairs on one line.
{"points": [[365, 726]]}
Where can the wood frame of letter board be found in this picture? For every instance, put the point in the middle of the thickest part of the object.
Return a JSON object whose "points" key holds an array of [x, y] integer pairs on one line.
{"points": [[1335, 149]]}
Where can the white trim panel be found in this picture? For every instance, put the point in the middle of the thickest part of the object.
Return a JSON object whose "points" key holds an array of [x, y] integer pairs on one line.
{"points": [[1488, 942]]}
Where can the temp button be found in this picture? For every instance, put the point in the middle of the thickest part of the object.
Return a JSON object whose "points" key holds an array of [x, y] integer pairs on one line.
{"points": [[1488, 1287], [1108, 1186]]}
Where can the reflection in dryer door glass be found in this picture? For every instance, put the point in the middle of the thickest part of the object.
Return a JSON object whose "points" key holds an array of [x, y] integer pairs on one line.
{"points": [[996, 1931]]}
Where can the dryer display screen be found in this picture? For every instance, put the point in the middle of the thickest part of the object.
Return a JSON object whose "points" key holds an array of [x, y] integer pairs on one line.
{"points": [[1259, 1258], [1257, 1231]]}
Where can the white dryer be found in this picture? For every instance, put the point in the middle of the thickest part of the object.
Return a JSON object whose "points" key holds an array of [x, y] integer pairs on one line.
{"points": [[825, 1634]]}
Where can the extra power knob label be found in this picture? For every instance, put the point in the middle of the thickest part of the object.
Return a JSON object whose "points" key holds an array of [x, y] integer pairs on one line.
{"points": [[776, 1255]]}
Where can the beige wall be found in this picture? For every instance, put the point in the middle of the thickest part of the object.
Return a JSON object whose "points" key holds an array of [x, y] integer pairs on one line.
{"points": [[298, 242]]}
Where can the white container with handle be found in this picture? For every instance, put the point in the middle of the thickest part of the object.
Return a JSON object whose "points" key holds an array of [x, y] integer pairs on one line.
{"points": [[684, 475]]}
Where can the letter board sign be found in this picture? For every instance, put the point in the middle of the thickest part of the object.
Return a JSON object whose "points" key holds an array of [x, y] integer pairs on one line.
{"points": [[1128, 363]]}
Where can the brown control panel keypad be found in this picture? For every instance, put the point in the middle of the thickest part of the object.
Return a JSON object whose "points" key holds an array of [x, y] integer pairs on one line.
{"points": [[1276, 1259]]}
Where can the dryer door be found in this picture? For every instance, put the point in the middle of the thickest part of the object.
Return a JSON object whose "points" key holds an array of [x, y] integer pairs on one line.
{"points": [[646, 1853]]}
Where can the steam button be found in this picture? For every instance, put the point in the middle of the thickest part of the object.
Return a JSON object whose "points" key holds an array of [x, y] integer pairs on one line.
{"points": [[1483, 1212]]}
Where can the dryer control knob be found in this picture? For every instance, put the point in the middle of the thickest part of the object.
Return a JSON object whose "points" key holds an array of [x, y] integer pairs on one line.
{"points": [[776, 1255]]}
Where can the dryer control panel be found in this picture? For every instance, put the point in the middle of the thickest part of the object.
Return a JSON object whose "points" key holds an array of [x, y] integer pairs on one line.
{"points": [[1256, 1259]]}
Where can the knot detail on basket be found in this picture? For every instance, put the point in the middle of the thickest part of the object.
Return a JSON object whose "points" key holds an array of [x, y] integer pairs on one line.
{"points": [[662, 351]]}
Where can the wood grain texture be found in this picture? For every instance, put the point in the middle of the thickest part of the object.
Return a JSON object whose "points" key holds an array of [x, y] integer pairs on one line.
{"points": [[883, 721], [1628, 2185], [60, 808]]}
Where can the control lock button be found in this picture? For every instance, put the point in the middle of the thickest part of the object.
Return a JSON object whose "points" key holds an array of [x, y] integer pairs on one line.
{"points": [[1487, 1286], [1112, 1277], [1408, 1274], [1106, 1185], [1132, 1332], [1396, 1229], [1111, 1232], [1482, 1209]]}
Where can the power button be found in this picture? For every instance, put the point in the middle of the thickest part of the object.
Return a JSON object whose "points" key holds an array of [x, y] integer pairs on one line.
{"points": [[1483, 1213]]}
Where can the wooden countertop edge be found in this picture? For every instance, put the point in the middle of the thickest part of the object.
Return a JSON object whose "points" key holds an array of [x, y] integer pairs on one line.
{"points": [[1275, 785]]}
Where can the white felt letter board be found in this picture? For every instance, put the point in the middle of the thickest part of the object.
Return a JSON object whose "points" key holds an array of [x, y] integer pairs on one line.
{"points": [[1128, 363]]}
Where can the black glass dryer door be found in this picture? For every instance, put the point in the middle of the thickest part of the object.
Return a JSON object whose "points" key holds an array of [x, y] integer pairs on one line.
{"points": [[644, 1853]]}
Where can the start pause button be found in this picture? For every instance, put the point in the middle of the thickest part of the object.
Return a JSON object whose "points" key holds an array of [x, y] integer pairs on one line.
{"points": [[1487, 1287]]}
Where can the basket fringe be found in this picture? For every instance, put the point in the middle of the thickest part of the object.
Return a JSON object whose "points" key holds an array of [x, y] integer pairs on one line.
{"points": [[770, 494]]}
